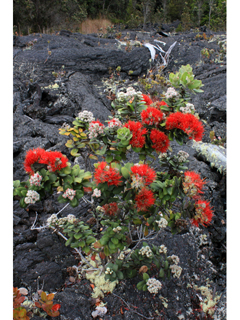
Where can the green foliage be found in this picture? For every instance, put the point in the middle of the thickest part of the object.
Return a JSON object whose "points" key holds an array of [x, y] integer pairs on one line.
{"points": [[185, 78], [37, 16]]}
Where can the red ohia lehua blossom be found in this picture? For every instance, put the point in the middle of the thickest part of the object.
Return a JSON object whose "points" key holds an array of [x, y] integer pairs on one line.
{"points": [[151, 116], [56, 160], [192, 183], [204, 213], [53, 159], [144, 199], [186, 122], [142, 175], [175, 120], [137, 130], [147, 99], [33, 156], [160, 141], [193, 127], [110, 209], [104, 173]]}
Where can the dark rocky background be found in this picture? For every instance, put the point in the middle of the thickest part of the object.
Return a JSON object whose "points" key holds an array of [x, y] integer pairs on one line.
{"points": [[40, 110]]}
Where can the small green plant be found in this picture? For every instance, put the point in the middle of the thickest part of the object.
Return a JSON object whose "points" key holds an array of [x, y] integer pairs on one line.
{"points": [[185, 78]]}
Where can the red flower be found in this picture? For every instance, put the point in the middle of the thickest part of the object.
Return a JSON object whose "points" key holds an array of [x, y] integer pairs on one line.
{"points": [[56, 307], [110, 209], [56, 160], [137, 130], [163, 103], [33, 156], [192, 184], [204, 213], [160, 140], [193, 127], [175, 120], [151, 116], [143, 174], [186, 122], [144, 199], [147, 99], [104, 173], [53, 159]]}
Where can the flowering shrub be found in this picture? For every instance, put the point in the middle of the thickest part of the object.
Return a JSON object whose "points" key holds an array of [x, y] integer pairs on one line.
{"points": [[130, 202]]}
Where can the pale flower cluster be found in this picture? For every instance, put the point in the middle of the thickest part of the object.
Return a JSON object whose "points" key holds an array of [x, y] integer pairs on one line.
{"points": [[182, 156], [171, 92], [86, 116], [162, 249], [124, 253], [175, 269], [188, 109], [96, 193], [162, 223], [154, 285], [114, 123], [117, 229], [69, 193], [31, 197], [53, 220], [175, 259], [108, 271], [145, 251], [162, 156], [95, 129], [131, 94], [35, 180]]}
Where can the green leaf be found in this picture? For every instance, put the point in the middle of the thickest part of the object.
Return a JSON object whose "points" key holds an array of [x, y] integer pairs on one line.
{"points": [[81, 243], [67, 243], [61, 199], [120, 275], [66, 170], [74, 202], [106, 251], [144, 287], [111, 246], [114, 267], [145, 276], [125, 172], [16, 183], [137, 221], [75, 170], [140, 285], [79, 194], [166, 264], [114, 240], [90, 240], [74, 153], [104, 240], [109, 158], [22, 203], [161, 273], [164, 108], [77, 236]]}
